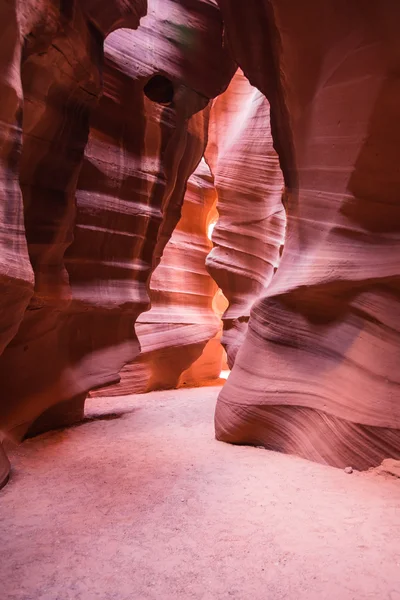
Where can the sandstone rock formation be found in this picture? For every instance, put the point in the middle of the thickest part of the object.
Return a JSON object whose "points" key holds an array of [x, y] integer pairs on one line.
{"points": [[49, 81], [248, 235], [103, 121], [43, 38], [249, 232], [182, 321], [84, 267], [4, 466], [317, 373]]}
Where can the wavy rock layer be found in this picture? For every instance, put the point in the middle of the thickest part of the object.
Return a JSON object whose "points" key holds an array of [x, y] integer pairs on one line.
{"points": [[250, 229], [317, 374], [55, 75], [126, 159], [4, 467], [181, 322], [44, 39]]}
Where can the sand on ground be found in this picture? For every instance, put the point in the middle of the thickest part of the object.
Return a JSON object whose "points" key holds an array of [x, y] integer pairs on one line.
{"points": [[140, 502]]}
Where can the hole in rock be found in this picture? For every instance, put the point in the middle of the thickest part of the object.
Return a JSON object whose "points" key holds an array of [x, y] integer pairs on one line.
{"points": [[159, 89], [210, 229]]}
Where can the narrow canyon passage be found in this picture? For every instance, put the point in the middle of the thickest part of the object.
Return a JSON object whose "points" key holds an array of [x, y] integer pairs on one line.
{"points": [[199, 300], [140, 502]]}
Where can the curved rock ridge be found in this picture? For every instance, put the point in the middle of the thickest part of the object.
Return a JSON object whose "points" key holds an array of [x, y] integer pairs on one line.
{"points": [[114, 14], [181, 321], [317, 373], [16, 275], [126, 160], [4, 467], [40, 38], [55, 77], [249, 232]]}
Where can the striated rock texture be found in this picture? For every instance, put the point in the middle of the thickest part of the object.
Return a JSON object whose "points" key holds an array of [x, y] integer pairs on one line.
{"points": [[181, 322], [4, 467], [42, 38], [249, 232], [318, 373], [102, 185], [49, 81]]}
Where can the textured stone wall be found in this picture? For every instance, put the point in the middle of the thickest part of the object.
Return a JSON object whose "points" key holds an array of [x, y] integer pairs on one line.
{"points": [[181, 321], [249, 233], [101, 129], [317, 373], [105, 114]]}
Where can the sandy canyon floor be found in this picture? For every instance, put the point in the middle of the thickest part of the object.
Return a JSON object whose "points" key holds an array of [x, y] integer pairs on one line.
{"points": [[140, 502]]}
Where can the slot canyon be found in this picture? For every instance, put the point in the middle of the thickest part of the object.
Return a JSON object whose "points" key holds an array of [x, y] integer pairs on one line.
{"points": [[199, 308]]}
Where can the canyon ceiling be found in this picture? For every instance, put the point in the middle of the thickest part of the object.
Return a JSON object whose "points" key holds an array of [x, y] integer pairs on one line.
{"points": [[129, 130]]}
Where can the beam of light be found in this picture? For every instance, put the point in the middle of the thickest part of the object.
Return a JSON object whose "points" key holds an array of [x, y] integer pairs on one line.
{"points": [[211, 229]]}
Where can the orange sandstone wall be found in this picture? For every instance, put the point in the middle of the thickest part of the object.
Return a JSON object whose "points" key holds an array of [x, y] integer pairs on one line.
{"points": [[96, 156], [317, 373]]}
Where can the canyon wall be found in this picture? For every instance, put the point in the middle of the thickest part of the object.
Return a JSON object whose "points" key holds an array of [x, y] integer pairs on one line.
{"points": [[40, 38], [317, 373], [50, 76], [103, 121], [181, 321], [246, 186], [93, 188], [249, 233]]}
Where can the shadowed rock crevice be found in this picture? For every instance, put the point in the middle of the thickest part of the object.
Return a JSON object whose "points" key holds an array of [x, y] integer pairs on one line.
{"points": [[159, 89]]}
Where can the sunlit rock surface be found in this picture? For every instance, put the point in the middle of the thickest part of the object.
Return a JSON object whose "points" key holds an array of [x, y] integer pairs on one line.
{"points": [[317, 374], [182, 321], [249, 233], [104, 117], [102, 150]]}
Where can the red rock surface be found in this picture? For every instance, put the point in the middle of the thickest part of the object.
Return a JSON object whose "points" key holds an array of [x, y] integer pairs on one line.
{"points": [[317, 374], [4, 466], [181, 322], [248, 234], [101, 128], [125, 159], [250, 229], [47, 49], [50, 79]]}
